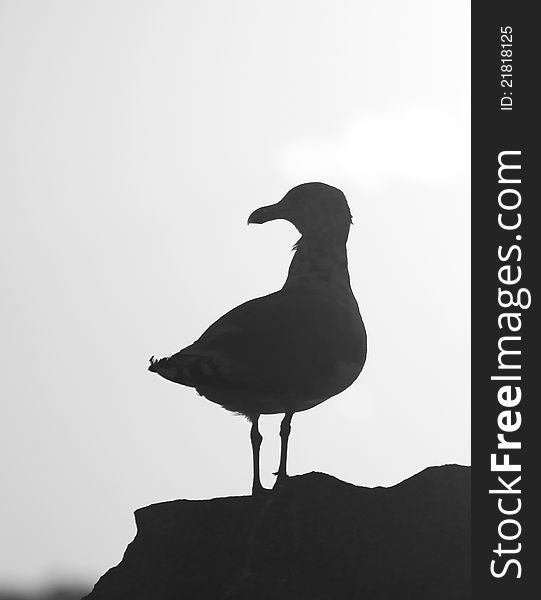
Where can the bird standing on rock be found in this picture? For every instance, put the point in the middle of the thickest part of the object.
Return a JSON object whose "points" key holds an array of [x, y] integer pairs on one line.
{"points": [[293, 349]]}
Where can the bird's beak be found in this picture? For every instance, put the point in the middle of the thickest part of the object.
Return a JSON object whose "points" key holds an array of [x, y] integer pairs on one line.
{"points": [[267, 213]]}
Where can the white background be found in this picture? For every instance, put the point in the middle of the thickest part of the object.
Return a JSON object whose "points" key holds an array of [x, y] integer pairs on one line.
{"points": [[136, 138]]}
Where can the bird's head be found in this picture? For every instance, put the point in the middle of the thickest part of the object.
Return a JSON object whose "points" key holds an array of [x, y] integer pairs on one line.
{"points": [[314, 208]]}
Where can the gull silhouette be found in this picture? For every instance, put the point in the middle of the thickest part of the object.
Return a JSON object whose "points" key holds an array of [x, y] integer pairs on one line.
{"points": [[295, 348]]}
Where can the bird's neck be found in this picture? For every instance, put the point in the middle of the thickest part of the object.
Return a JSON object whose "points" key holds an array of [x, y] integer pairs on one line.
{"points": [[321, 262]]}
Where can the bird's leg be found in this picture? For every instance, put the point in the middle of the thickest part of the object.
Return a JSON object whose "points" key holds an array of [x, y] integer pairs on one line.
{"points": [[256, 439], [285, 429]]}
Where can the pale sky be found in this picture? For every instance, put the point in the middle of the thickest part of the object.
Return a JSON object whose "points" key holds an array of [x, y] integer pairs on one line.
{"points": [[136, 137]]}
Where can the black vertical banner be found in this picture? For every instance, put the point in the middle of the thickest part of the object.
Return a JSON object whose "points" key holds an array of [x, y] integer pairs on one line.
{"points": [[506, 254]]}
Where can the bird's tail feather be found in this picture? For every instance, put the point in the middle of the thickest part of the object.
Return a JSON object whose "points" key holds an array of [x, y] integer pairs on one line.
{"points": [[155, 364], [179, 368], [167, 369]]}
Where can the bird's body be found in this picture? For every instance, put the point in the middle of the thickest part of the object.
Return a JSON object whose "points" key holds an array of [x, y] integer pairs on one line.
{"points": [[293, 349]]}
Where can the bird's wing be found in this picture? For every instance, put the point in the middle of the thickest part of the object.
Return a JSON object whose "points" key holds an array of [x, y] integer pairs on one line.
{"points": [[279, 342]]}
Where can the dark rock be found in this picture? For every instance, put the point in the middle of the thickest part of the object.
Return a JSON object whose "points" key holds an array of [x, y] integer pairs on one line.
{"points": [[60, 592], [315, 538]]}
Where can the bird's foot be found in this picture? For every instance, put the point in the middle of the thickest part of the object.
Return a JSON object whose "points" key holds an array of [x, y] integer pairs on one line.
{"points": [[281, 479], [258, 489]]}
